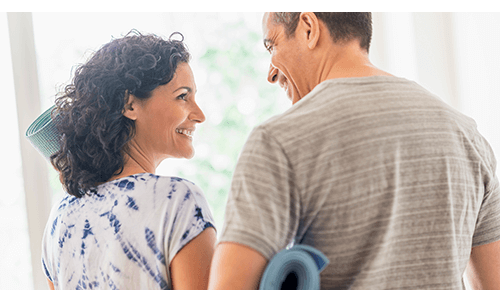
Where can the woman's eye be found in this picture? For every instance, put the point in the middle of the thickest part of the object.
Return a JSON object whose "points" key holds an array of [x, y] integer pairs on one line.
{"points": [[182, 97]]}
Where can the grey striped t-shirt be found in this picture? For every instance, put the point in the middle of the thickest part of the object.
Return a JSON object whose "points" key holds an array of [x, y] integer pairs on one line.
{"points": [[392, 184]]}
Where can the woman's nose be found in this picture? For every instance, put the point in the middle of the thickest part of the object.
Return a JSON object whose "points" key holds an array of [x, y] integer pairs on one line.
{"points": [[197, 114], [272, 75]]}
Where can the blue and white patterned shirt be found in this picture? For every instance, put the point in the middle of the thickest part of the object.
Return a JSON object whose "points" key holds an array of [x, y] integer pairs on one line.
{"points": [[125, 235]]}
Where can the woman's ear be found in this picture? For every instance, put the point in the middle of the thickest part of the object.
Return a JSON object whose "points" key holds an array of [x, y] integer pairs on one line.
{"points": [[129, 110]]}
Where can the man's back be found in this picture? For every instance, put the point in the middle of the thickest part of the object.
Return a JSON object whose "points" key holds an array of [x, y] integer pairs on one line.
{"points": [[394, 186]]}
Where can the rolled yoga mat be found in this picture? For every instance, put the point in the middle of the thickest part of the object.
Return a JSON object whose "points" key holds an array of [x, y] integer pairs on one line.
{"points": [[43, 134], [294, 268]]}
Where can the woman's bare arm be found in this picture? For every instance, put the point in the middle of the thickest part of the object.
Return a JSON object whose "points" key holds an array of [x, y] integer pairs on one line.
{"points": [[190, 267]]}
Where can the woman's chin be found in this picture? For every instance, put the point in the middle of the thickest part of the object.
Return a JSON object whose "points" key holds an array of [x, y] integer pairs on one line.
{"points": [[188, 154]]}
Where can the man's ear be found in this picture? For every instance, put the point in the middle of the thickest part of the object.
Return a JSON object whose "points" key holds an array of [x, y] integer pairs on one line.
{"points": [[130, 108], [309, 24]]}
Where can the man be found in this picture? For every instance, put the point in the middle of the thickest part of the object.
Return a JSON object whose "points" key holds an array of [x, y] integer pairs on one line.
{"points": [[395, 187]]}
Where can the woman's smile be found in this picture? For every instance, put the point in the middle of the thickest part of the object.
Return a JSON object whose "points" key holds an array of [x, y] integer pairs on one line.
{"points": [[186, 132], [168, 117]]}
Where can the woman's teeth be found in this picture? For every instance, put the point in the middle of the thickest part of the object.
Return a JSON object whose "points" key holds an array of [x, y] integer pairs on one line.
{"points": [[184, 132]]}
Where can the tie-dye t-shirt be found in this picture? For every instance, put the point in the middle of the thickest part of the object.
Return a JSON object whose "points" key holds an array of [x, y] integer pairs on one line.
{"points": [[125, 235]]}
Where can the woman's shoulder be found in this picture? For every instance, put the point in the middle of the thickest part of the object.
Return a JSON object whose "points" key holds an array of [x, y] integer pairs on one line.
{"points": [[151, 183]]}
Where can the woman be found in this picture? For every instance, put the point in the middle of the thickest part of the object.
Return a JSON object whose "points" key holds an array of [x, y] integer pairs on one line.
{"points": [[120, 226]]}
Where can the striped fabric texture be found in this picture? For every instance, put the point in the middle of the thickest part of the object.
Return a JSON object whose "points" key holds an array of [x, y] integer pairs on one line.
{"points": [[389, 182]]}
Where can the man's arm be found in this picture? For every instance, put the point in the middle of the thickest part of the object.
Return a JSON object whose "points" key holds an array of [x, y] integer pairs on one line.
{"points": [[483, 270], [236, 266]]}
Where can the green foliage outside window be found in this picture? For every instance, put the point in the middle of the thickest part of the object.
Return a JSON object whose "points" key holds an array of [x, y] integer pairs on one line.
{"points": [[235, 98], [243, 97]]}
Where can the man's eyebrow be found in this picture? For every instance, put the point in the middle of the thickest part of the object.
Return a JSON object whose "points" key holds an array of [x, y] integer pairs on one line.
{"points": [[267, 41]]}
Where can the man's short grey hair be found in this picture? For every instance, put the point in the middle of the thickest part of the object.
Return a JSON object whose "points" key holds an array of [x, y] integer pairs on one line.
{"points": [[283, 17], [343, 26], [289, 20]]}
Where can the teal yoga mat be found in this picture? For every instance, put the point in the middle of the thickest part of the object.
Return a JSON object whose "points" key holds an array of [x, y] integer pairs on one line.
{"points": [[43, 134], [295, 268]]}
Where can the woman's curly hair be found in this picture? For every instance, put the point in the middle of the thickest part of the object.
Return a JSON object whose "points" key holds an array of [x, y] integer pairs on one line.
{"points": [[94, 130]]}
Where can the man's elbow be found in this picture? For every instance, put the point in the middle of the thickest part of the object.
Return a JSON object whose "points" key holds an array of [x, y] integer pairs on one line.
{"points": [[236, 266]]}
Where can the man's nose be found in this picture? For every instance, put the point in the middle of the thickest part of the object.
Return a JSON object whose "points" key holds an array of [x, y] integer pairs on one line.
{"points": [[272, 75]]}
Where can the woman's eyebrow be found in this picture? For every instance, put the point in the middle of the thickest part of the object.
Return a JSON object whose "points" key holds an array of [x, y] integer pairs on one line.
{"points": [[186, 88]]}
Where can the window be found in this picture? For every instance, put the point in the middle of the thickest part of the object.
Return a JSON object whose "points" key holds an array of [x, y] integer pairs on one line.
{"points": [[230, 68]]}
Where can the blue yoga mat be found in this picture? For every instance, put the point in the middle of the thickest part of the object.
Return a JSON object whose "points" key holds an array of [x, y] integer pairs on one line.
{"points": [[43, 134], [294, 268]]}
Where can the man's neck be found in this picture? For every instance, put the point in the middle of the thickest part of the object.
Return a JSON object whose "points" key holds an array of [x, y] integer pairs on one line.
{"points": [[348, 61]]}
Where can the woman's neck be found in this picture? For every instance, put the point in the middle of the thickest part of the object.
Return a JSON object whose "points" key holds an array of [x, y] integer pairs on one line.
{"points": [[135, 162]]}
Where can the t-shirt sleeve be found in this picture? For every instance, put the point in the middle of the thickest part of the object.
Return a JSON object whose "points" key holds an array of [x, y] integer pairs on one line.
{"points": [[263, 207], [192, 216], [44, 259], [47, 262], [488, 220]]}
